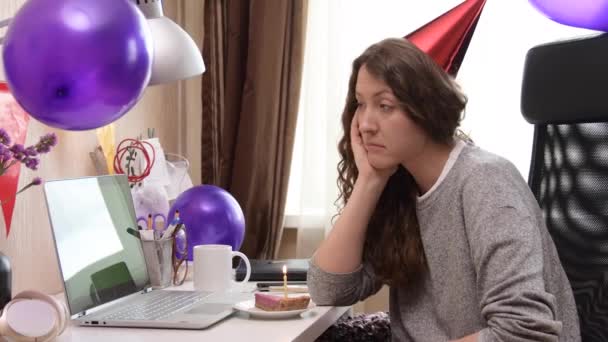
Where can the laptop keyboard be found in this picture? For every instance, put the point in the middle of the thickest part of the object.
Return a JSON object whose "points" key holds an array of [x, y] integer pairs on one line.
{"points": [[157, 305]]}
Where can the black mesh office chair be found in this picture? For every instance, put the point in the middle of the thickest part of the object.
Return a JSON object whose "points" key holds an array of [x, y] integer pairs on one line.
{"points": [[565, 96]]}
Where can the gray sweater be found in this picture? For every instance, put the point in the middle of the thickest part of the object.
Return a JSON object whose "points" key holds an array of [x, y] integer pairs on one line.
{"points": [[492, 265]]}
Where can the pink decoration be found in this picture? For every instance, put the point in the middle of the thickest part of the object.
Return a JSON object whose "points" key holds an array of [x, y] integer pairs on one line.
{"points": [[15, 121]]}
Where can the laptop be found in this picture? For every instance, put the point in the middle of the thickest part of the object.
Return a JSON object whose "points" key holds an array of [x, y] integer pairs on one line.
{"points": [[103, 268]]}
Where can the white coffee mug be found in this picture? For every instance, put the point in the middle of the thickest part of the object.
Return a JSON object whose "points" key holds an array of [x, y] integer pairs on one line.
{"points": [[213, 268]]}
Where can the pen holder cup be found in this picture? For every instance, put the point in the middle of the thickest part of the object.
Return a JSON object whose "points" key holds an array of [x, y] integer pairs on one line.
{"points": [[157, 254]]}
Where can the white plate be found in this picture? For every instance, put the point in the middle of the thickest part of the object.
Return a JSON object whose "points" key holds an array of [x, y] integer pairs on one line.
{"points": [[249, 307]]}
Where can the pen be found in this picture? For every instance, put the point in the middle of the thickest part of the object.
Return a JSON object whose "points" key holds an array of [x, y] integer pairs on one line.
{"points": [[176, 218], [175, 223], [149, 221], [290, 288], [133, 232], [276, 283], [170, 230]]}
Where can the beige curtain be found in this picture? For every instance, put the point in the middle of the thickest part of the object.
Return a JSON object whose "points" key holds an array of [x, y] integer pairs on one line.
{"points": [[254, 53]]}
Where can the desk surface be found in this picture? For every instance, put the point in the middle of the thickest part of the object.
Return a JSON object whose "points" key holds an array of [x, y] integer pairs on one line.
{"points": [[238, 327]]}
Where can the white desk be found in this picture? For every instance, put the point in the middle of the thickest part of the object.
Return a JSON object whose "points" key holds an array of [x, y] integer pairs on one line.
{"points": [[238, 327]]}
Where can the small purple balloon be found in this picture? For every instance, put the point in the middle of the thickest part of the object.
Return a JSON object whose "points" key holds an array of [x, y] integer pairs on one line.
{"points": [[211, 216], [78, 64], [589, 14]]}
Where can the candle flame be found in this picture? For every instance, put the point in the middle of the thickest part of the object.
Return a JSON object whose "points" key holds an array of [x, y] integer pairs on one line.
{"points": [[284, 269]]}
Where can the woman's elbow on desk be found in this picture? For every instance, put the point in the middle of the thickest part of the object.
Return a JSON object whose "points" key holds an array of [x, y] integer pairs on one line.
{"points": [[325, 292], [327, 288], [327, 295]]}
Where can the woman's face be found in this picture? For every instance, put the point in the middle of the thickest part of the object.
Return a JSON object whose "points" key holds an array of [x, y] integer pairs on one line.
{"points": [[390, 137]]}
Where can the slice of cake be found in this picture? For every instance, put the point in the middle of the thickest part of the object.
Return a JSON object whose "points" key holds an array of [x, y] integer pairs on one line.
{"points": [[268, 302]]}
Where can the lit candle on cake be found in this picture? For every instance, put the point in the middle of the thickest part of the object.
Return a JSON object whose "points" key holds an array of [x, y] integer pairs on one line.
{"points": [[285, 280]]}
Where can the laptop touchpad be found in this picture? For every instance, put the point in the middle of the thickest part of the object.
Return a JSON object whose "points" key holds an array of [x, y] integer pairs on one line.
{"points": [[208, 309]]}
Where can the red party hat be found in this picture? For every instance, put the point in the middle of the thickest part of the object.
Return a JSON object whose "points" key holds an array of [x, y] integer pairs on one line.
{"points": [[447, 37]]}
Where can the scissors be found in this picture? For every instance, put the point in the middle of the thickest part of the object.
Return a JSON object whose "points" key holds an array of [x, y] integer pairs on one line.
{"points": [[179, 255], [152, 222]]}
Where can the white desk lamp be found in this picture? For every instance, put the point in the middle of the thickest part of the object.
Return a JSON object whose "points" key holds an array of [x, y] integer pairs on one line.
{"points": [[176, 56]]}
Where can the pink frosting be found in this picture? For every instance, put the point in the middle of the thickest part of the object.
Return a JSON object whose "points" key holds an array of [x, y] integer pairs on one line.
{"points": [[268, 300]]}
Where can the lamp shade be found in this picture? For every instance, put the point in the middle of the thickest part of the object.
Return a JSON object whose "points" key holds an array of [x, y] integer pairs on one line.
{"points": [[176, 56]]}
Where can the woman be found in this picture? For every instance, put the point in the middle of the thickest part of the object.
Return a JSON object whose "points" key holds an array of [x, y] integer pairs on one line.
{"points": [[454, 230]]}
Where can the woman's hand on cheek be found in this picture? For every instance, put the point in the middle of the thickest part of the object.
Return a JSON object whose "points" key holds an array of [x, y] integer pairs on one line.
{"points": [[366, 170]]}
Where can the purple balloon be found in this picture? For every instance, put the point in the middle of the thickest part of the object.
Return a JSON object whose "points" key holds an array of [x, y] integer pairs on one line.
{"points": [[589, 14], [78, 64], [211, 216]]}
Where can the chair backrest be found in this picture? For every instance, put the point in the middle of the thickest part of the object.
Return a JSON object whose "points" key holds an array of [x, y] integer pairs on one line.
{"points": [[565, 96]]}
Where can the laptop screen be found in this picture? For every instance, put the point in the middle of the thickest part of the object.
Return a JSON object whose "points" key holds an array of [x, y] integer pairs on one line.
{"points": [[98, 259]]}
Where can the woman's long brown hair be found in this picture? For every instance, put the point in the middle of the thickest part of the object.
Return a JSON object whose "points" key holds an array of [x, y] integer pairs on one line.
{"points": [[434, 102]]}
